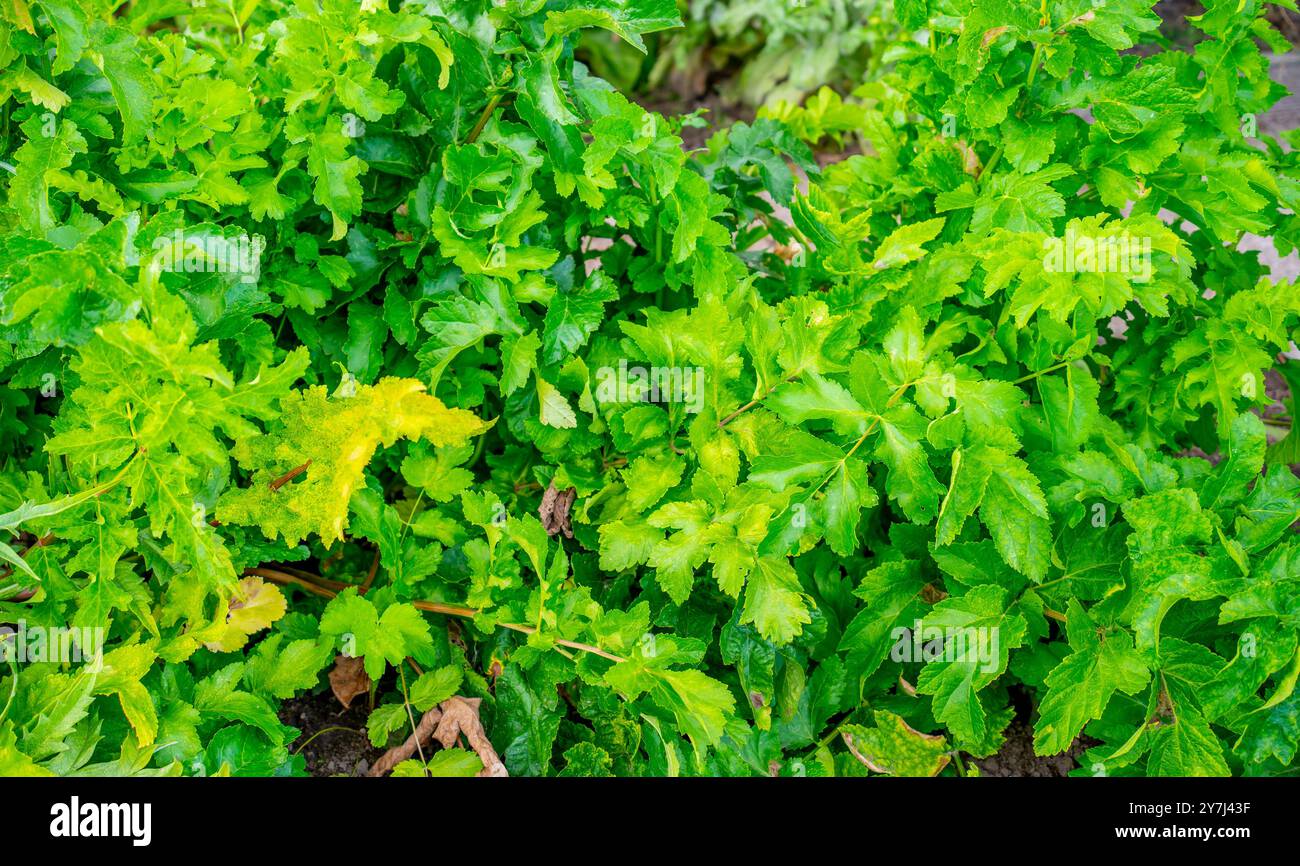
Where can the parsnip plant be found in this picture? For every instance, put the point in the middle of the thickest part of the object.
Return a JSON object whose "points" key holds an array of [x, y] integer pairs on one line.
{"points": [[383, 341]]}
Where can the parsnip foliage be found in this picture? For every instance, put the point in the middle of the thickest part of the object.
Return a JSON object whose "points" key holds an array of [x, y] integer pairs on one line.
{"points": [[314, 313]]}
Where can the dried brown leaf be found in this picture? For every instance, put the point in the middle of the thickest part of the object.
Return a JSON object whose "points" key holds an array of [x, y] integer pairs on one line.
{"points": [[554, 510], [460, 718], [349, 679], [394, 756], [452, 719]]}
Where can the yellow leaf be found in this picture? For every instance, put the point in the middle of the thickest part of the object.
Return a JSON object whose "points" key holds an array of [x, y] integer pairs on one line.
{"points": [[261, 605], [307, 468]]}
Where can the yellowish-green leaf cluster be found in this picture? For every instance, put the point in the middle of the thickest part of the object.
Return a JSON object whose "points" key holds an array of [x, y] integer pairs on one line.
{"points": [[306, 469]]}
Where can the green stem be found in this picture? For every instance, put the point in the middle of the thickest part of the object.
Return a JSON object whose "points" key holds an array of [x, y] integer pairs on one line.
{"points": [[1034, 65], [13, 689], [234, 16], [308, 741], [993, 161], [1043, 372], [834, 732], [406, 702], [871, 428], [414, 508], [479, 447], [483, 118], [1036, 62]]}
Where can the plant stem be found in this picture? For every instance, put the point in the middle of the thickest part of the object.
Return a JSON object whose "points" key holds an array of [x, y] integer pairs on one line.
{"points": [[290, 579], [429, 606], [483, 118], [370, 576], [13, 689], [289, 476], [406, 702], [307, 742], [833, 733], [1023, 379], [987, 171], [752, 403]]}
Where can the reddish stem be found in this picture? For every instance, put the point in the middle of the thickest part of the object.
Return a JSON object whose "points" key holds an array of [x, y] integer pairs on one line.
{"points": [[289, 476]]}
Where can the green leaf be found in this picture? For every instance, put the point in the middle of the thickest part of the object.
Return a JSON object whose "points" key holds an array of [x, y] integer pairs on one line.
{"points": [[434, 687], [399, 633], [336, 172], [451, 763], [1079, 688], [1186, 746], [977, 632], [630, 19], [894, 748]]}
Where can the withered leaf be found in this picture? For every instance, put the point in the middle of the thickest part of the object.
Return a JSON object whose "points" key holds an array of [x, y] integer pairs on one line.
{"points": [[397, 754], [554, 510], [460, 717], [349, 679], [453, 718]]}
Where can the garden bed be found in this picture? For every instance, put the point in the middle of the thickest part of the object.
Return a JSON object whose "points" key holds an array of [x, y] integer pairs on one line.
{"points": [[389, 392]]}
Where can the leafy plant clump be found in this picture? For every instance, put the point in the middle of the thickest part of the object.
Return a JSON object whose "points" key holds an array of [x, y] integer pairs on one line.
{"points": [[382, 348], [752, 51]]}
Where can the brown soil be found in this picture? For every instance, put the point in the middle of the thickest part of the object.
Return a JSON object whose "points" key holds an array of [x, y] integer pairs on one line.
{"points": [[718, 114], [335, 752], [1017, 758]]}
